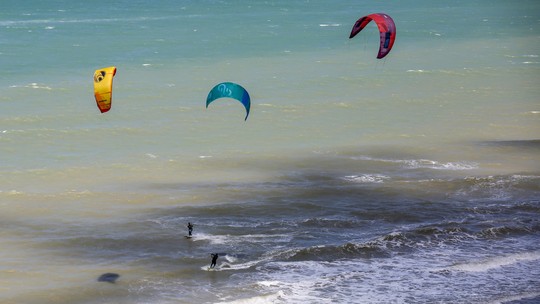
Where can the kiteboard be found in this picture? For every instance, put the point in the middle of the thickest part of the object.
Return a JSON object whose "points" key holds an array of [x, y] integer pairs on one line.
{"points": [[208, 268], [188, 236]]}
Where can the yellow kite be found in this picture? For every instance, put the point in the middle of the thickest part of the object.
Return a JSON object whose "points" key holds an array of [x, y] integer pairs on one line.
{"points": [[103, 79]]}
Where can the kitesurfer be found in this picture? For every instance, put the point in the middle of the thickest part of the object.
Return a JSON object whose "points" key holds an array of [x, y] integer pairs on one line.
{"points": [[214, 260], [190, 228]]}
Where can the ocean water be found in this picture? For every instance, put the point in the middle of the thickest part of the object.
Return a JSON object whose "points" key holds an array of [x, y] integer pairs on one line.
{"points": [[411, 179]]}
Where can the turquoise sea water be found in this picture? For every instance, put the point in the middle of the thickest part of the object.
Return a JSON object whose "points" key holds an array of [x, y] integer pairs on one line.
{"points": [[412, 179]]}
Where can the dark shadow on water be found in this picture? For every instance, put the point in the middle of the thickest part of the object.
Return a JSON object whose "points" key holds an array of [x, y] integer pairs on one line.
{"points": [[108, 277], [526, 144]]}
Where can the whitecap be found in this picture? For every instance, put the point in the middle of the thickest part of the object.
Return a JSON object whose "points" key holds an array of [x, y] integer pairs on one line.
{"points": [[269, 283], [38, 86], [431, 164], [32, 85], [367, 178]]}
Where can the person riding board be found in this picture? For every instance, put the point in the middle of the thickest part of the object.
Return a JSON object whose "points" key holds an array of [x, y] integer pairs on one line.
{"points": [[214, 260], [190, 228]]}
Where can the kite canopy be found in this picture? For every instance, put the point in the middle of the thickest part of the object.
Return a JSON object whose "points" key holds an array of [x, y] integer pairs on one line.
{"points": [[103, 79], [230, 90], [387, 30]]}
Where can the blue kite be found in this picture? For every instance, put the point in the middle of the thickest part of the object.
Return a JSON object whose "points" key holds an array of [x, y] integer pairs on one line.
{"points": [[230, 90]]}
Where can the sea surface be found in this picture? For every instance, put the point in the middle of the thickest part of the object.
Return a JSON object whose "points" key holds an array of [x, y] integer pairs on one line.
{"points": [[410, 179]]}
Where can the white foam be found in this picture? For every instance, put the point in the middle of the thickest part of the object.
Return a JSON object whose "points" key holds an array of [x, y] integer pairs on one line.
{"points": [[213, 239], [228, 266], [305, 282], [269, 283], [267, 298], [230, 258]]}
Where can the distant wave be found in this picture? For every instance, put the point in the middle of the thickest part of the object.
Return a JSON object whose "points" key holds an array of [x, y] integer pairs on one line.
{"points": [[496, 262], [8, 23], [330, 223], [423, 163], [384, 246], [332, 252], [498, 188], [422, 237], [430, 164], [533, 296]]}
